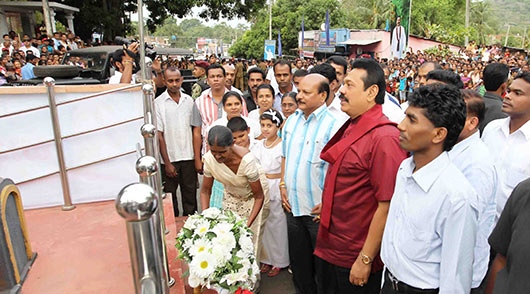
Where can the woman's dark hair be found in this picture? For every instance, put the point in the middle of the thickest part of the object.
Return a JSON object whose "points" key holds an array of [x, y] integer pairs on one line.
{"points": [[265, 86], [220, 136], [272, 115], [444, 106], [292, 95], [230, 94]]}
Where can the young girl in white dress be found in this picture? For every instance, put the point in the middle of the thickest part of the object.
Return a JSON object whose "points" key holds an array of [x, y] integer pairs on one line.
{"points": [[268, 152]]}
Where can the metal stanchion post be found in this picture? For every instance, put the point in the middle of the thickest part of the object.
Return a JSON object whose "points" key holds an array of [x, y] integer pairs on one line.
{"points": [[137, 203], [50, 84]]}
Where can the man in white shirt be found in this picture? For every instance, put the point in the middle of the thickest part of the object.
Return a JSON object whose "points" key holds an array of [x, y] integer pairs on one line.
{"points": [[284, 79], [124, 65], [28, 47], [173, 116], [474, 160], [230, 71], [430, 233], [7, 44], [508, 139]]}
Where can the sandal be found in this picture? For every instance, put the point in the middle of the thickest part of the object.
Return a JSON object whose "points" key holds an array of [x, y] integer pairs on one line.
{"points": [[274, 271], [265, 268]]}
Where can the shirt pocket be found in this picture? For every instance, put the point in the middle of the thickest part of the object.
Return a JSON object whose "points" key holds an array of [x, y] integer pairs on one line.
{"points": [[418, 244]]}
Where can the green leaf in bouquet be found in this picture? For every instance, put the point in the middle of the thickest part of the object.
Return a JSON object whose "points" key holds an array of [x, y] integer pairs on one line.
{"points": [[186, 274], [210, 235], [187, 233]]}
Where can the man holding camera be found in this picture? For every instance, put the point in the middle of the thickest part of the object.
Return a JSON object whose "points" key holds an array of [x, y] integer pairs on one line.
{"points": [[124, 65]]}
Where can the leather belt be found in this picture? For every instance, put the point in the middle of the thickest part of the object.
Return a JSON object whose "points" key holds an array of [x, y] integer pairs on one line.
{"points": [[403, 288]]}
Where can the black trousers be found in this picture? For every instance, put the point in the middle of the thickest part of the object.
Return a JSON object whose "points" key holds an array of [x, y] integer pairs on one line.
{"points": [[302, 234], [334, 279], [187, 180]]}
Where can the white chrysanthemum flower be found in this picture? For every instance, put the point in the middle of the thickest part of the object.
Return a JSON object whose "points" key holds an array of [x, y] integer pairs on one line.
{"points": [[222, 228], [227, 241], [212, 212], [190, 223], [233, 278], [200, 246], [203, 265], [187, 244], [221, 255], [194, 281], [246, 244], [202, 228]]}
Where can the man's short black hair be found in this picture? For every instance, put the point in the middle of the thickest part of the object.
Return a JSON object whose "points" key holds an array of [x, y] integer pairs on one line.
{"points": [[444, 106], [447, 77], [495, 74], [257, 70], [324, 87], [338, 60], [474, 103], [30, 57], [300, 73], [5, 35], [326, 70], [435, 64], [525, 75], [374, 76], [237, 124], [282, 62], [215, 66]]}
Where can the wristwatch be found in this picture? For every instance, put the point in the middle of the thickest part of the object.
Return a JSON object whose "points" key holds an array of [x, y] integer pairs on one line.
{"points": [[365, 258]]}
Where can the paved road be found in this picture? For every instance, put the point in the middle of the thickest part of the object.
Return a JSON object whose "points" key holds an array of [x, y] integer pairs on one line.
{"points": [[281, 284]]}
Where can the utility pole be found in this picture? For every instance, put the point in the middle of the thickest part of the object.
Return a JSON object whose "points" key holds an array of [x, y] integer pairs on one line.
{"points": [[507, 34], [270, 19], [467, 22], [47, 19], [524, 37]]}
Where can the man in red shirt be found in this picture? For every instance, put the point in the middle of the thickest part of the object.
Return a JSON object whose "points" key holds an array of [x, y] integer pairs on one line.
{"points": [[364, 156]]}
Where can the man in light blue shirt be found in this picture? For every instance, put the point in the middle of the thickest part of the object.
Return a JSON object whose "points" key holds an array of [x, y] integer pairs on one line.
{"points": [[27, 70], [305, 133], [475, 161]]}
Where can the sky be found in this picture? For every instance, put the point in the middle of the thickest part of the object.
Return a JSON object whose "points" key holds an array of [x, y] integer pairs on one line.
{"points": [[195, 14]]}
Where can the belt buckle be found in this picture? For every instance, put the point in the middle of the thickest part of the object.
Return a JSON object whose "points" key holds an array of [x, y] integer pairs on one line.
{"points": [[394, 282]]}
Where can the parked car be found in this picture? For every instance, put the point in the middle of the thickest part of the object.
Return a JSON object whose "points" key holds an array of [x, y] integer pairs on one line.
{"points": [[88, 66]]}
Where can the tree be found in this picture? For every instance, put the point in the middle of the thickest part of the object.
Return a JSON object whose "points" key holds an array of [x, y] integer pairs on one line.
{"points": [[111, 17], [187, 32], [287, 16]]}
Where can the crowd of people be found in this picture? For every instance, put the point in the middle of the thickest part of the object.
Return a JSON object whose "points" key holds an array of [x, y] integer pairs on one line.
{"points": [[468, 63], [353, 188], [20, 54]]}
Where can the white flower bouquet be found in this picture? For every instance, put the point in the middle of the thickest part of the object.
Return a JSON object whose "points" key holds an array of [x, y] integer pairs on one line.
{"points": [[218, 247]]}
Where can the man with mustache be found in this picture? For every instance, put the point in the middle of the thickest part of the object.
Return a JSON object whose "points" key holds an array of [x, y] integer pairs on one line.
{"points": [[364, 156], [256, 78], [304, 134]]}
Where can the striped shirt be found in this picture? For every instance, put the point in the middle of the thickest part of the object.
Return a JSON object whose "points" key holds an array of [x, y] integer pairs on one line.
{"points": [[303, 140], [206, 111]]}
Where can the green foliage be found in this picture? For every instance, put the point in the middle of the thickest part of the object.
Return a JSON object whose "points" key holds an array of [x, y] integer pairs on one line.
{"points": [[187, 32], [111, 17], [287, 16]]}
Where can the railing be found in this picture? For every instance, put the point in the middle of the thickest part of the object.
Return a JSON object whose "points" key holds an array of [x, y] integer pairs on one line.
{"points": [[58, 138]]}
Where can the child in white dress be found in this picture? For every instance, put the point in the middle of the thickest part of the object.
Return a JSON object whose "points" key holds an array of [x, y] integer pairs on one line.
{"points": [[268, 152]]}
